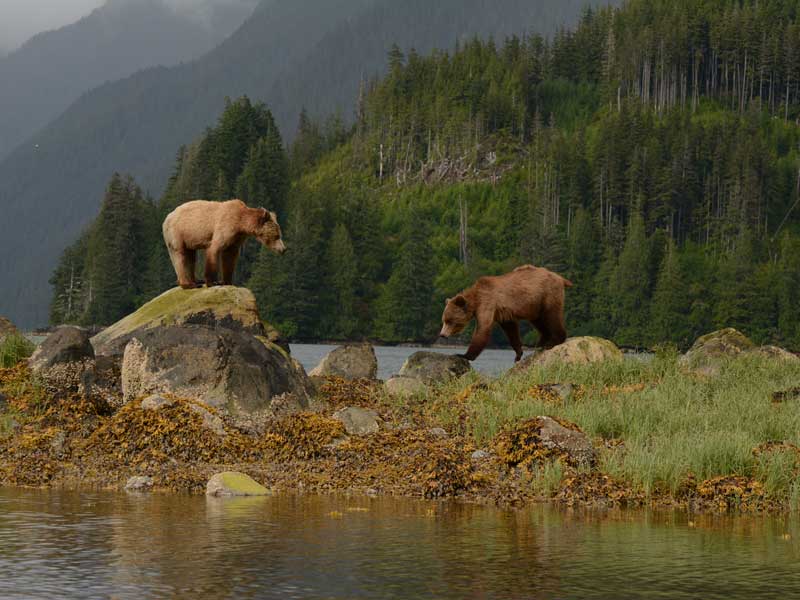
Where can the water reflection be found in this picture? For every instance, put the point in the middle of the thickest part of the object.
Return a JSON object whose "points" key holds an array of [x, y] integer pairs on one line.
{"points": [[58, 544]]}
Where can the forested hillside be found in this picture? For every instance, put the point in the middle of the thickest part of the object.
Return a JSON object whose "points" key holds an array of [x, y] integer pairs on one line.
{"points": [[289, 53], [650, 155], [51, 70]]}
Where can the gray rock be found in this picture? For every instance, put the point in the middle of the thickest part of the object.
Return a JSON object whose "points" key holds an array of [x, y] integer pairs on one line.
{"points": [[156, 402], [67, 344], [358, 421], [774, 352], [575, 351], [479, 455], [575, 443], [233, 483], [139, 483], [437, 432], [58, 443], [433, 367], [234, 371], [352, 361], [404, 386]]}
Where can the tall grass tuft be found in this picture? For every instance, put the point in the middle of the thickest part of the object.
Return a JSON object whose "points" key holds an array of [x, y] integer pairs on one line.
{"points": [[13, 349]]}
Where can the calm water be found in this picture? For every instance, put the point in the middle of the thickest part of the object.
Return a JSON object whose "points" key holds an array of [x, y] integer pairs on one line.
{"points": [[391, 358], [71, 545]]}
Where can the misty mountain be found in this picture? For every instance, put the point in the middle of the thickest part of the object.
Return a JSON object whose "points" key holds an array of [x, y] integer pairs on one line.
{"points": [[51, 70], [288, 54]]}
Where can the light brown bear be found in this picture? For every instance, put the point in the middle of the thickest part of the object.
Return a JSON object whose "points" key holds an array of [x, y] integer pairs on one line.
{"points": [[219, 228], [527, 293]]}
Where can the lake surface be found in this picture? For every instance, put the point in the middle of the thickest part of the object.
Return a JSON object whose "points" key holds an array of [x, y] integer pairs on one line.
{"points": [[391, 358], [101, 545]]}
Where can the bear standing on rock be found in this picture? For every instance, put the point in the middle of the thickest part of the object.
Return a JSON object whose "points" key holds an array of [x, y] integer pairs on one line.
{"points": [[219, 228], [527, 293]]}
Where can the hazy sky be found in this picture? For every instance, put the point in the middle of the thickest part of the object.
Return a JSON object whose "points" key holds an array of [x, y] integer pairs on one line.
{"points": [[20, 19]]}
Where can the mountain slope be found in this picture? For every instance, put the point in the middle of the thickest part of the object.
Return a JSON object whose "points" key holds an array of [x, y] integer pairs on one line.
{"points": [[54, 68], [287, 54]]}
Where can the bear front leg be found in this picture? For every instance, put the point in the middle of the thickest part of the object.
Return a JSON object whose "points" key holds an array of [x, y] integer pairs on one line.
{"points": [[183, 261], [228, 259], [511, 329], [212, 258], [479, 341]]}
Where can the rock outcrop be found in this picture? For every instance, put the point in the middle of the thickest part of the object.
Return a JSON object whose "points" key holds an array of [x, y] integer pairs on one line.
{"points": [[575, 351], [434, 367], [710, 351], [352, 361], [207, 344]]}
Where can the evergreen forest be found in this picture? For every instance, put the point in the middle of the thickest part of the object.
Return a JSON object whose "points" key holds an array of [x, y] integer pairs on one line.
{"points": [[650, 154]]}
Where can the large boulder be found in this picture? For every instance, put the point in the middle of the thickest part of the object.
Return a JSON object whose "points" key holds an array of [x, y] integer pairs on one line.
{"points": [[228, 307], [213, 348], [775, 353], [233, 483], [433, 367], [352, 361], [708, 351], [574, 351], [67, 344]]}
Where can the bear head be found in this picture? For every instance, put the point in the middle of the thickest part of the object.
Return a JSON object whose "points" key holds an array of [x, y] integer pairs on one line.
{"points": [[268, 232], [457, 313]]}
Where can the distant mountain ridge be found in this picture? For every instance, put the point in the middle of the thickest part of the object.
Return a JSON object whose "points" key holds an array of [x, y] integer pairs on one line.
{"points": [[288, 54], [52, 69]]}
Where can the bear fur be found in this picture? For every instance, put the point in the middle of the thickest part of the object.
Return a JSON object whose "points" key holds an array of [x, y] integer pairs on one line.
{"points": [[219, 228], [527, 293]]}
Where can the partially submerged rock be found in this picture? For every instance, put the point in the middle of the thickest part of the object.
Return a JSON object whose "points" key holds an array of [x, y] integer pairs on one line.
{"points": [[67, 344], [352, 361], [575, 351], [358, 421], [233, 483], [404, 387], [434, 367], [139, 483]]}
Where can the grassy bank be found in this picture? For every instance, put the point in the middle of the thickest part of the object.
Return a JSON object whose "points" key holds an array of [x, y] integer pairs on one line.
{"points": [[662, 436]]}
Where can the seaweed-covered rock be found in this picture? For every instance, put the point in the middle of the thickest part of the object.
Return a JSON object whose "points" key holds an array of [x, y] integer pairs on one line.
{"points": [[352, 361], [231, 483], [227, 307], [139, 483], [7, 329], [358, 421], [404, 387], [434, 367], [67, 344], [544, 438], [575, 351]]}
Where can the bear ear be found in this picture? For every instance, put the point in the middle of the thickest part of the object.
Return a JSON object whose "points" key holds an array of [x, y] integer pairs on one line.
{"points": [[273, 216], [264, 216], [447, 301], [460, 301]]}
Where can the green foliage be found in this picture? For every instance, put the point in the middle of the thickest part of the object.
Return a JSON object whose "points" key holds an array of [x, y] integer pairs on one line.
{"points": [[14, 348]]}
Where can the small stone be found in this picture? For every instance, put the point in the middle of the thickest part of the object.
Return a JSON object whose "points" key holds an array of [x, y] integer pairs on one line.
{"points": [[233, 483], [210, 421], [480, 455], [437, 432], [139, 483], [575, 443], [358, 421], [434, 367], [404, 387], [58, 442], [156, 402]]}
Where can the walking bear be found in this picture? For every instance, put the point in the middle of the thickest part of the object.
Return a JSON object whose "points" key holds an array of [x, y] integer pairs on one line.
{"points": [[219, 228], [527, 293]]}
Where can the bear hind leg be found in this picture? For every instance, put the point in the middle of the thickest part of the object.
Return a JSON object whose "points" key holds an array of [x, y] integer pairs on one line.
{"points": [[511, 329], [229, 257], [551, 330]]}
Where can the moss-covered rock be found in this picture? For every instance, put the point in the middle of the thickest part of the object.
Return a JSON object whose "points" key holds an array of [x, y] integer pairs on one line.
{"points": [[232, 483], [710, 350], [229, 307], [575, 351]]}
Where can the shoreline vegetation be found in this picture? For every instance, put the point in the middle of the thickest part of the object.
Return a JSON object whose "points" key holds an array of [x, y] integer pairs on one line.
{"points": [[660, 434]]}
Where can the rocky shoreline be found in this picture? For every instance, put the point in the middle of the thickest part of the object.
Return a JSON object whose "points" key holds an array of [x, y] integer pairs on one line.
{"points": [[194, 385]]}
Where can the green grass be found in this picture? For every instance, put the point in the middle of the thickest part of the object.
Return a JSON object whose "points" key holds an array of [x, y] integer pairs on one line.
{"points": [[678, 424], [13, 349]]}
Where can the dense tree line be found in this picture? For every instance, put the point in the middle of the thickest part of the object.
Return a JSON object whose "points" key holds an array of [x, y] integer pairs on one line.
{"points": [[668, 193]]}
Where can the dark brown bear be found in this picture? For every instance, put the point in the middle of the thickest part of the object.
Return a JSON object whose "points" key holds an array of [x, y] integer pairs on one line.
{"points": [[527, 293]]}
